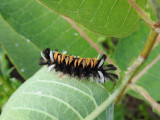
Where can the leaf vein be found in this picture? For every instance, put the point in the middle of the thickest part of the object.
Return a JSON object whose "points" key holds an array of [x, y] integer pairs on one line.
{"points": [[36, 110], [69, 86], [21, 8], [49, 26], [58, 99]]}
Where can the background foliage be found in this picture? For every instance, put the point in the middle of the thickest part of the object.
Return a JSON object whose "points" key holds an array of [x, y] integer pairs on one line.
{"points": [[28, 26]]}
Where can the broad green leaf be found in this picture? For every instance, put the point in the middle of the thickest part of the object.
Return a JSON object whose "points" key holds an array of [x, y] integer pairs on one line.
{"points": [[128, 50], [23, 54], [114, 18], [28, 27], [46, 96]]}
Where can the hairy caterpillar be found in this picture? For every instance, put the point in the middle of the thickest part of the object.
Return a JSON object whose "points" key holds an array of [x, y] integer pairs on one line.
{"points": [[80, 67]]}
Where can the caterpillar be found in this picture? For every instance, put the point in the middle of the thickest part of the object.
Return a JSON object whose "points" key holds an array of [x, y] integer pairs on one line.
{"points": [[78, 67]]}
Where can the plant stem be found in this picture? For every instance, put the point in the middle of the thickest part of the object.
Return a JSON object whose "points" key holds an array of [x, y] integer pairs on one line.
{"points": [[130, 73], [8, 88], [112, 97], [149, 44], [143, 56], [145, 94], [147, 48], [118, 92]]}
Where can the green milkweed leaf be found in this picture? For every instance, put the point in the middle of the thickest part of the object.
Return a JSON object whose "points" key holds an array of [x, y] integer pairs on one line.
{"points": [[51, 96], [107, 17]]}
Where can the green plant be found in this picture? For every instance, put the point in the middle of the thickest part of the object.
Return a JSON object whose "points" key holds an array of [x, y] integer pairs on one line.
{"points": [[29, 26], [7, 84]]}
